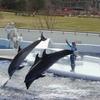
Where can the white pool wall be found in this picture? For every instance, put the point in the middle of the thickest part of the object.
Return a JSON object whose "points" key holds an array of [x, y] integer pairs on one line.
{"points": [[92, 59], [49, 44]]}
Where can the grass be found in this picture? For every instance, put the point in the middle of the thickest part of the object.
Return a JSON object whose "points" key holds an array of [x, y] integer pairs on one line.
{"points": [[62, 23]]}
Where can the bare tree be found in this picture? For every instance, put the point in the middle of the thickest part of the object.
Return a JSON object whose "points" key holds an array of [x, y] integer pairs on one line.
{"points": [[47, 18]]}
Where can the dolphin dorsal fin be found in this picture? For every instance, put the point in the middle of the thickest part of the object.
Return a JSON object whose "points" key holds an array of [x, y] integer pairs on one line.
{"points": [[44, 54], [37, 58]]}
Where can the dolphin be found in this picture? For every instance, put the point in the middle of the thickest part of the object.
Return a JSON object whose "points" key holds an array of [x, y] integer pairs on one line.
{"points": [[21, 55], [41, 64]]}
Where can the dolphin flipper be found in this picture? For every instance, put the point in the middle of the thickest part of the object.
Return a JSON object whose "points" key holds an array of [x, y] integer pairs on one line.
{"points": [[19, 68], [19, 49]]}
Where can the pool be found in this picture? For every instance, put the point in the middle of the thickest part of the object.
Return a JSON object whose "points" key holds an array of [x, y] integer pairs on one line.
{"points": [[4, 62], [4, 47]]}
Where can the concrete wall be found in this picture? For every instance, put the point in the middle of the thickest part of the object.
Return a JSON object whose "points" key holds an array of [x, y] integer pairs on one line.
{"points": [[92, 59], [8, 52], [57, 36]]}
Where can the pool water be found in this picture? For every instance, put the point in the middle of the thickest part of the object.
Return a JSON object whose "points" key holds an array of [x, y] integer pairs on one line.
{"points": [[5, 63], [51, 87]]}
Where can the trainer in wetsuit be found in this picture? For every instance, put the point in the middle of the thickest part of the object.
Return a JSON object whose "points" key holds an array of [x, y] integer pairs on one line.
{"points": [[72, 56]]}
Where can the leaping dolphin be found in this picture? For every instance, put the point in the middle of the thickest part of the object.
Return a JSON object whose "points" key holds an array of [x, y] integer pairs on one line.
{"points": [[42, 64], [21, 55]]}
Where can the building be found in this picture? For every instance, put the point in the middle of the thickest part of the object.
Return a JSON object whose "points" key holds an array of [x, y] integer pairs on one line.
{"points": [[81, 4]]}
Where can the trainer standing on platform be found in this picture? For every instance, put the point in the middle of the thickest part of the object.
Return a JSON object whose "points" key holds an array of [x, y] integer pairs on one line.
{"points": [[72, 56]]}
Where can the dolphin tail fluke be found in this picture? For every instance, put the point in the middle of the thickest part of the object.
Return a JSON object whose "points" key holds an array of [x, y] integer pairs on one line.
{"points": [[42, 37]]}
